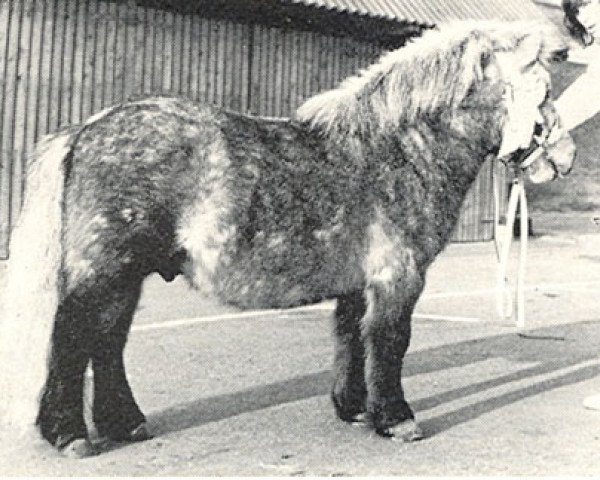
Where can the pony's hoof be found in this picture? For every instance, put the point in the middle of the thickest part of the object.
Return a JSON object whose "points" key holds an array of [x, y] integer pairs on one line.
{"points": [[140, 433], [359, 419], [407, 431], [78, 448]]}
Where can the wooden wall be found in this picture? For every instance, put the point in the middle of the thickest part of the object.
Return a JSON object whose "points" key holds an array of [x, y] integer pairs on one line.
{"points": [[63, 60]]}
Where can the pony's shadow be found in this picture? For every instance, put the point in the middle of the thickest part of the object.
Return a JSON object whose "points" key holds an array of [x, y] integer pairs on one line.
{"points": [[550, 348]]}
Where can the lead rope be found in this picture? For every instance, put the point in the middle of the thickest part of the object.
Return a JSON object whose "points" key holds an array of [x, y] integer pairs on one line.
{"points": [[503, 237]]}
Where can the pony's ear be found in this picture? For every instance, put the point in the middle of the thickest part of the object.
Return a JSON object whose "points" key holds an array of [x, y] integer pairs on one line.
{"points": [[490, 66], [485, 60]]}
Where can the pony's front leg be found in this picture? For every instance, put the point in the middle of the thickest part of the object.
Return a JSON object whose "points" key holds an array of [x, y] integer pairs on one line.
{"points": [[349, 393], [386, 336]]}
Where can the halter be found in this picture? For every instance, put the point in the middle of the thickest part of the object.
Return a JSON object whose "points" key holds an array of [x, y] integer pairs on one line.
{"points": [[540, 141]]}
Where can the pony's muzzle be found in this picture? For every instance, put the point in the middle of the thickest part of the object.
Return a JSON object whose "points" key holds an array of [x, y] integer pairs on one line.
{"points": [[551, 161]]}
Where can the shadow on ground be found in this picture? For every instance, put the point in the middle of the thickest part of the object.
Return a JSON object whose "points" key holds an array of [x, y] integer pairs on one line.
{"points": [[551, 348]]}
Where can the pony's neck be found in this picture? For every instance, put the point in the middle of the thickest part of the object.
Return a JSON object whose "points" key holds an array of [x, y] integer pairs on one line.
{"points": [[430, 166]]}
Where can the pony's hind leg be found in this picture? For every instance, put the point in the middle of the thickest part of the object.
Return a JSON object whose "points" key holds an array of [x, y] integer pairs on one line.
{"points": [[60, 418], [349, 392], [116, 414], [92, 323]]}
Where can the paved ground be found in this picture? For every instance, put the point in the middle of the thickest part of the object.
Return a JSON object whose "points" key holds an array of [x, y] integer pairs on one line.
{"points": [[231, 394]]}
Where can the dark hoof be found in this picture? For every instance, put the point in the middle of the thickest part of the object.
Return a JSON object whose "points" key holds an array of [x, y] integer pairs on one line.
{"points": [[77, 448], [353, 414], [359, 419], [138, 434], [407, 431]]}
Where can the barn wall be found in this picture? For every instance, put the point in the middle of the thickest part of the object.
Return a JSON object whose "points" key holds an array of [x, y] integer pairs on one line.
{"points": [[63, 60]]}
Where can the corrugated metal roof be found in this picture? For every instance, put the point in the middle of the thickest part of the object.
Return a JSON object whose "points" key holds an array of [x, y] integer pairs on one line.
{"points": [[433, 12]]}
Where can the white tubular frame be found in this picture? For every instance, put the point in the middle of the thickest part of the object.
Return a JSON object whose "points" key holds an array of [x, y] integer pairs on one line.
{"points": [[503, 237]]}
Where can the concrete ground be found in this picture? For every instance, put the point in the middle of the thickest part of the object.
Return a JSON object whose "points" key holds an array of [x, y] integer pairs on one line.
{"points": [[247, 394]]}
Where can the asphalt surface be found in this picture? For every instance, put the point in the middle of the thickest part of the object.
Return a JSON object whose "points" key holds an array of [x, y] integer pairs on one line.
{"points": [[247, 394]]}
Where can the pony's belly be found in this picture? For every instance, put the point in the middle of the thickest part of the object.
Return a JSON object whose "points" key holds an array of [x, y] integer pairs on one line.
{"points": [[287, 274]]}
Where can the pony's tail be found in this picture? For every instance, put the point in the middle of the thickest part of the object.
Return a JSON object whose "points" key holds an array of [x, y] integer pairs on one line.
{"points": [[31, 293]]}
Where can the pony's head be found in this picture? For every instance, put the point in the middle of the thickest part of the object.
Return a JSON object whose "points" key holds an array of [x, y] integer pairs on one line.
{"points": [[582, 19], [456, 71], [533, 138]]}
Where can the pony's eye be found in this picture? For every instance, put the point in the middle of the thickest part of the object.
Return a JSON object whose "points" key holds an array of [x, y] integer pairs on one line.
{"points": [[538, 129]]}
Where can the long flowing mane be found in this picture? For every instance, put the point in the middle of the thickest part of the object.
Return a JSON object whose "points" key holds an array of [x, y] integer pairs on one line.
{"points": [[435, 71]]}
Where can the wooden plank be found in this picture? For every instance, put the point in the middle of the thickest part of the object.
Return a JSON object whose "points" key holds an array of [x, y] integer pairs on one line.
{"points": [[185, 55], [11, 81], [295, 71], [277, 79], [231, 67], [85, 37], [140, 78], [219, 30], [119, 52], [310, 67], [7, 19], [158, 51], [254, 67], [5, 25], [91, 33], [261, 73], [22, 90], [283, 64], [5, 202], [244, 32], [35, 18], [229, 60], [73, 92], [175, 45], [270, 73], [212, 61], [267, 73], [204, 67], [16, 185], [45, 70], [109, 54], [68, 14], [178, 52], [195, 57], [167, 68], [56, 66], [99, 56]]}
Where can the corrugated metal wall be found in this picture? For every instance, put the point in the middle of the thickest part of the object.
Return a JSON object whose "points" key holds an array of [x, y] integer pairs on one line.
{"points": [[63, 60]]}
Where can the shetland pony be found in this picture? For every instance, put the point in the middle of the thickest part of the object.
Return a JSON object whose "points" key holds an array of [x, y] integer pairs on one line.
{"points": [[352, 199]]}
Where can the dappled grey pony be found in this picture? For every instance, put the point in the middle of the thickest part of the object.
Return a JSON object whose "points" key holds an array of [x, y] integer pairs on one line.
{"points": [[352, 199]]}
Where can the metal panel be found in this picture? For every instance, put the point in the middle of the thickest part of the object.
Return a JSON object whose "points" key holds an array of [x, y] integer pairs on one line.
{"points": [[433, 12]]}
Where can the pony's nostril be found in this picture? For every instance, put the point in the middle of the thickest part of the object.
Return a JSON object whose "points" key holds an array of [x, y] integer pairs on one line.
{"points": [[560, 55], [538, 129]]}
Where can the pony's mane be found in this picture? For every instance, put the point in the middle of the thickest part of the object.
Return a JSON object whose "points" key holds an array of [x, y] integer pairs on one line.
{"points": [[436, 70]]}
